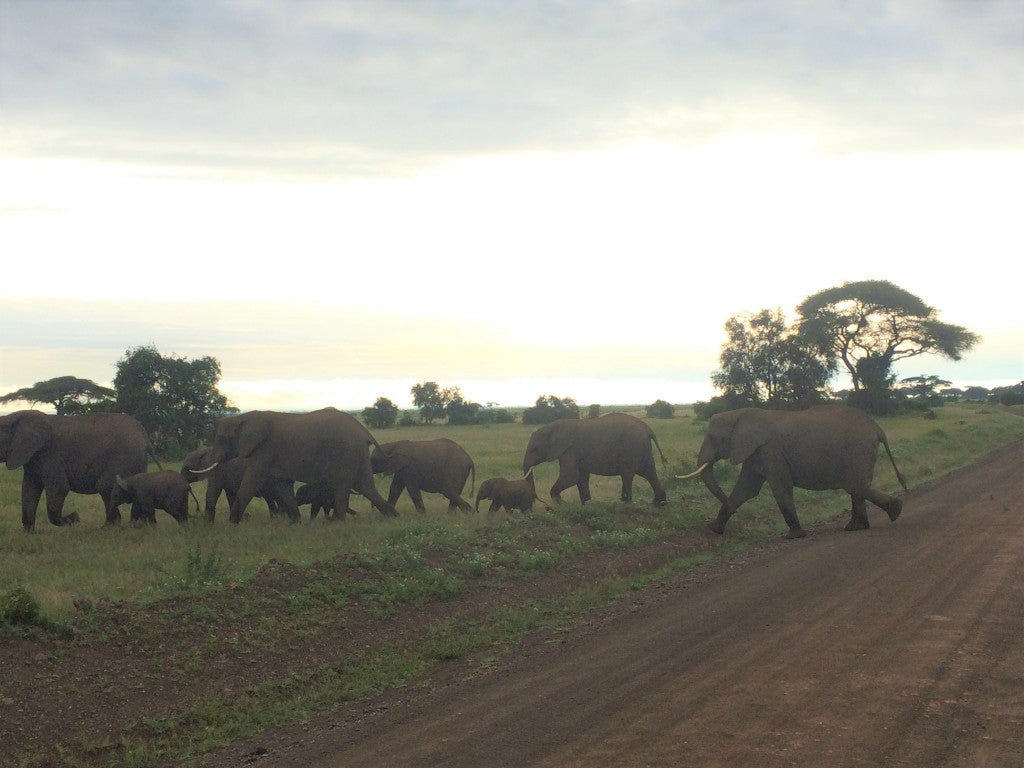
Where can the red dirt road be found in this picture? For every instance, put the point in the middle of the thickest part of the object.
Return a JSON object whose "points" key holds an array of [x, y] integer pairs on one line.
{"points": [[898, 646]]}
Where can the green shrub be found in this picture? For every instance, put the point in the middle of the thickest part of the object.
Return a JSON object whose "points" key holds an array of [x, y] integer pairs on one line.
{"points": [[17, 606]]}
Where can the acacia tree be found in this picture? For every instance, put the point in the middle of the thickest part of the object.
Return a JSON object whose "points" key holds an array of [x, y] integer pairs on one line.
{"points": [[175, 399], [766, 362], [67, 394], [872, 324]]}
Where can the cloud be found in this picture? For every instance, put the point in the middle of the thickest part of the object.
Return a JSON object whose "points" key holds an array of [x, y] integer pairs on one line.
{"points": [[349, 89]]}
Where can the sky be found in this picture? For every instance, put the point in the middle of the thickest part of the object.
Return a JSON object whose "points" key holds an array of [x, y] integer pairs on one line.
{"points": [[338, 200]]}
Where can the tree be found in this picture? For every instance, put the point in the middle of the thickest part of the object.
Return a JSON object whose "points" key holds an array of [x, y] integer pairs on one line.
{"points": [[924, 389], [175, 399], [549, 408], [427, 397], [872, 324], [67, 394], [765, 362], [461, 411], [383, 413]]}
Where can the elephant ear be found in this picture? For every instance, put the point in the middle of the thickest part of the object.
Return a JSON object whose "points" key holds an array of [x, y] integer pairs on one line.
{"points": [[750, 433], [251, 435], [30, 436]]}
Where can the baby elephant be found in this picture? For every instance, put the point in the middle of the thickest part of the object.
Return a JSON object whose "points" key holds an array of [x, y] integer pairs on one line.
{"points": [[510, 494], [320, 499], [150, 491]]}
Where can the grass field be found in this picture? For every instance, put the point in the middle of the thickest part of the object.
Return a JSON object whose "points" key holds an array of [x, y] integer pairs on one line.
{"points": [[90, 560], [162, 644]]}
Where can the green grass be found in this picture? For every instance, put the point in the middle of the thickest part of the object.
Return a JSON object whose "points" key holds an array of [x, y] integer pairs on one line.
{"points": [[59, 565]]}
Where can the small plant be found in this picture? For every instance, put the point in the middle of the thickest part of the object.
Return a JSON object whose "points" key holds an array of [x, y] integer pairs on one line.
{"points": [[18, 607]]}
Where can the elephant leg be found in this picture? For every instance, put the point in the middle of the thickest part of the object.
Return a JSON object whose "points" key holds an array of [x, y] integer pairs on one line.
{"points": [[397, 486], [284, 501], [455, 501], [417, 497], [31, 492], [748, 485], [892, 505], [55, 497], [650, 474], [783, 493], [364, 485], [858, 514], [212, 494], [341, 500], [627, 486], [568, 476], [494, 506], [246, 490], [583, 485]]}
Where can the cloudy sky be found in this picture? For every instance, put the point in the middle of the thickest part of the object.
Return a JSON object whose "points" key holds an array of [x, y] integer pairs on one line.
{"points": [[341, 199]]}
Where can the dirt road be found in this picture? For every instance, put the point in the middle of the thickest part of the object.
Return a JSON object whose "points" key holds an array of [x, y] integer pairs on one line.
{"points": [[898, 646]]}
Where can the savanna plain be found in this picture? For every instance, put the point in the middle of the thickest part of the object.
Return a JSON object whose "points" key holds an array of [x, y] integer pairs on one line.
{"points": [[165, 645]]}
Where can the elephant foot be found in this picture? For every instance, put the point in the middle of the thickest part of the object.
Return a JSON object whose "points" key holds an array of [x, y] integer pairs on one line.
{"points": [[894, 509], [73, 518], [796, 533], [856, 525], [716, 527]]}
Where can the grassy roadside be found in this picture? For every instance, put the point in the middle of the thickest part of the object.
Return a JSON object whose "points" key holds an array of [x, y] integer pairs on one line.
{"points": [[473, 585]]}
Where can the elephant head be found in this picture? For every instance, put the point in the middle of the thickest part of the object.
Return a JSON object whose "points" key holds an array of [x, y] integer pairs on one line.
{"points": [[550, 442], [733, 435], [238, 436], [22, 435]]}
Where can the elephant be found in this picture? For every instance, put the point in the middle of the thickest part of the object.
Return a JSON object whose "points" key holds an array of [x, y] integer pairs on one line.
{"points": [[508, 494], [613, 444], [822, 448], [326, 447], [436, 466], [319, 499], [62, 454], [150, 491], [226, 479]]}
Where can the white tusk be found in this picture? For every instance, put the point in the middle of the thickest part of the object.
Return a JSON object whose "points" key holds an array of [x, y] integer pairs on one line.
{"points": [[204, 471], [528, 473], [700, 469]]}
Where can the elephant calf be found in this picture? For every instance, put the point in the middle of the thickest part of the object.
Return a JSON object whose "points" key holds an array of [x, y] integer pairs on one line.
{"points": [[508, 494], [150, 491], [319, 498]]}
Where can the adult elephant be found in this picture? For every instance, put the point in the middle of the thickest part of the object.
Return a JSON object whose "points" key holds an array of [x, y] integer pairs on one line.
{"points": [[226, 478], [436, 466], [823, 448], [63, 454], [614, 444], [326, 447]]}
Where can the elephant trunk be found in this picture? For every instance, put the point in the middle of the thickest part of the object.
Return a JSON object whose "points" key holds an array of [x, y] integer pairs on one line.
{"points": [[707, 474]]}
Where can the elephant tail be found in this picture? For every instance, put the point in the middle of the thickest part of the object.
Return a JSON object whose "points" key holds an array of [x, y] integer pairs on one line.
{"points": [[654, 437], [472, 484], [899, 475]]}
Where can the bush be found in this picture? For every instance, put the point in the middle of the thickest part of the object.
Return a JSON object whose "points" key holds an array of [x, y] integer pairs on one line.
{"points": [[17, 606], [659, 409], [381, 414]]}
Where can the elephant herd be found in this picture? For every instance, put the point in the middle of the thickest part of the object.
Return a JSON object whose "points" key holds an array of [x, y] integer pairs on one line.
{"points": [[332, 455]]}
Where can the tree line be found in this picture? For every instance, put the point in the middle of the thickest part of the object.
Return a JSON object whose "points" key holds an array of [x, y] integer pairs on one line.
{"points": [[863, 327]]}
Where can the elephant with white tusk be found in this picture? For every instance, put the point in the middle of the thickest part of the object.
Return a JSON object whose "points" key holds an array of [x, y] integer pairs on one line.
{"points": [[823, 448]]}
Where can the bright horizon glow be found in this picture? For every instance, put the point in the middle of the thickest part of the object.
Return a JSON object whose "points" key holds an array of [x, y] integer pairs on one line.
{"points": [[583, 221]]}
